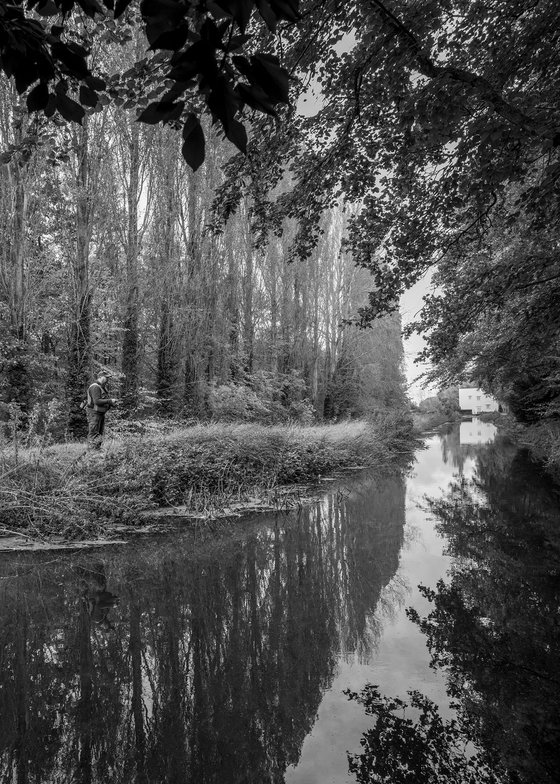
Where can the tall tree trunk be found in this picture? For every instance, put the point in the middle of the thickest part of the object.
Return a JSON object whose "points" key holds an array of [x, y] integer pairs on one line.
{"points": [[286, 323], [296, 361], [167, 361], [17, 375], [315, 354], [18, 385], [79, 341], [273, 271], [130, 347], [168, 355], [194, 205], [248, 327], [232, 301]]}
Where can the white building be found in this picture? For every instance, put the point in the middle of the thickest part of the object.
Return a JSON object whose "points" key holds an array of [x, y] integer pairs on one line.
{"points": [[477, 401], [477, 432]]}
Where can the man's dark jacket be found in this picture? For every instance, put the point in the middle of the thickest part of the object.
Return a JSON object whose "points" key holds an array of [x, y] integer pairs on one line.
{"points": [[98, 399]]}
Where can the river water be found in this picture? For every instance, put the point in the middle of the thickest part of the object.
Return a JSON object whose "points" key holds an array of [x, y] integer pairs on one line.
{"points": [[226, 657]]}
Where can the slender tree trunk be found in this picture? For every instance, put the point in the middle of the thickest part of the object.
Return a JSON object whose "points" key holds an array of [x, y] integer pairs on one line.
{"points": [[168, 356], [167, 350], [130, 347], [273, 308], [232, 302], [17, 298], [17, 375], [297, 359], [330, 360], [193, 400], [248, 327], [315, 353], [79, 342], [286, 325], [17, 371], [167, 364]]}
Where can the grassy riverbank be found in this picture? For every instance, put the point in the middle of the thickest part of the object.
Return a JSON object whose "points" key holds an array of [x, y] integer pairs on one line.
{"points": [[67, 492]]}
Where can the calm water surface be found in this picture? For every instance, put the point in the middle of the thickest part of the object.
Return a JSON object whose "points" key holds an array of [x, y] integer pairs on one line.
{"points": [[193, 659]]}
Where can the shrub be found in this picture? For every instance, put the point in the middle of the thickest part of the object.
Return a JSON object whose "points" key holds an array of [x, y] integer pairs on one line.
{"points": [[237, 402], [262, 397]]}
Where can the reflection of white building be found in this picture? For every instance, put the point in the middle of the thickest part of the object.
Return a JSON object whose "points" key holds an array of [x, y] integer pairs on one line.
{"points": [[475, 431], [477, 401]]}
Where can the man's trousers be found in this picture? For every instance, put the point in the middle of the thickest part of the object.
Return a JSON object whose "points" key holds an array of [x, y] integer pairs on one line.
{"points": [[96, 426]]}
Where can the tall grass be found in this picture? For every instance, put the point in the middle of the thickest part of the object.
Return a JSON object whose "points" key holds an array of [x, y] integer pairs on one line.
{"points": [[66, 491], [46, 498]]}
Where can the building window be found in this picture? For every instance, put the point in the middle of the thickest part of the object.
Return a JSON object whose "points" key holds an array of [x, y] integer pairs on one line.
{"points": [[478, 397]]}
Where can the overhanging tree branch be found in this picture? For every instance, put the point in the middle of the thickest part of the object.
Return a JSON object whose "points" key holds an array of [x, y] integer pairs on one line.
{"points": [[481, 86]]}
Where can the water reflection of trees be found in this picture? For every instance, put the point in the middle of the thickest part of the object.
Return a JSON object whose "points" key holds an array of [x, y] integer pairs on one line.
{"points": [[452, 450], [410, 743], [495, 623], [179, 662]]}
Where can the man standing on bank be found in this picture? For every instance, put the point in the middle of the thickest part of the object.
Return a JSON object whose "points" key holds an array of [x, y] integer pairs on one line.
{"points": [[98, 403]]}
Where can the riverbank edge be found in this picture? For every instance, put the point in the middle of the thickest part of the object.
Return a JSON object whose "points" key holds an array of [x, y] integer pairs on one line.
{"points": [[67, 496]]}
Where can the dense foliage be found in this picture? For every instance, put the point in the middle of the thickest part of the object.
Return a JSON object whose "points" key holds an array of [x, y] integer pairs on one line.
{"points": [[495, 319], [108, 261], [438, 123], [45, 46]]}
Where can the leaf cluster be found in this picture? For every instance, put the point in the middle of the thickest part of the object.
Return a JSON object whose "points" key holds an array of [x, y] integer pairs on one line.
{"points": [[201, 48], [426, 116]]}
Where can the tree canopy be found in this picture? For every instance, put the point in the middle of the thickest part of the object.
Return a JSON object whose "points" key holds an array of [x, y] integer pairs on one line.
{"points": [[198, 58], [428, 115], [438, 122]]}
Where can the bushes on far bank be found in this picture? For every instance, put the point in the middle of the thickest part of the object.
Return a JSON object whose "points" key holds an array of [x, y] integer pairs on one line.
{"points": [[73, 493], [263, 397], [434, 411]]}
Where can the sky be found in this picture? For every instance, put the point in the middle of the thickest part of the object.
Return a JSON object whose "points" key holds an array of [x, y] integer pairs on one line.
{"points": [[411, 302]]}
